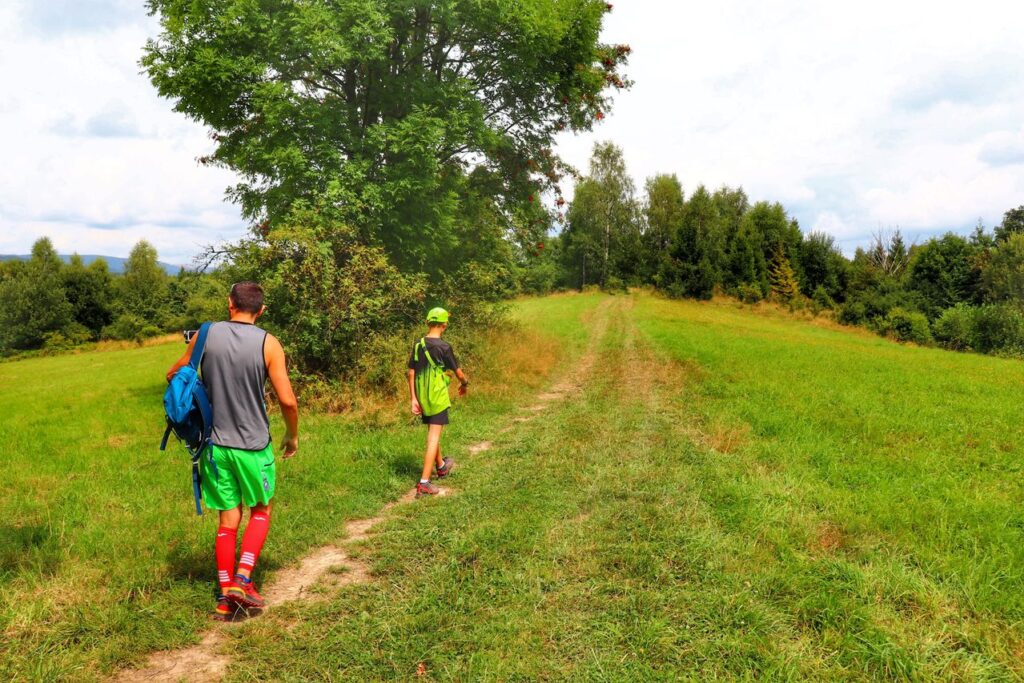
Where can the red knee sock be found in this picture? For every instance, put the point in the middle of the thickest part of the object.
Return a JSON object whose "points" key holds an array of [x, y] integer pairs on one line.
{"points": [[252, 541], [225, 551]]}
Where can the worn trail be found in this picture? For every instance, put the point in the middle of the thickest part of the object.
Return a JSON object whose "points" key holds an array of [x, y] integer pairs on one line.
{"points": [[333, 565]]}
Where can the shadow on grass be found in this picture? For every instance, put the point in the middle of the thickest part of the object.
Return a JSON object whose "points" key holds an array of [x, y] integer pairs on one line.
{"points": [[28, 547]]}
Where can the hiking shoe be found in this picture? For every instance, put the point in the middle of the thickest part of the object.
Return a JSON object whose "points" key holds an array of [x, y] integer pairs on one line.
{"points": [[244, 593], [446, 468], [225, 610], [427, 489]]}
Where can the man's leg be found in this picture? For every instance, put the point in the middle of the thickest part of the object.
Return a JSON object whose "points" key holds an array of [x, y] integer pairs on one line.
{"points": [[224, 547], [254, 537], [433, 453]]}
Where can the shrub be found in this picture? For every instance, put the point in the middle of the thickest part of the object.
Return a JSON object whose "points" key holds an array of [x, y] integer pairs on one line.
{"points": [[821, 301], [954, 329], [127, 327], [908, 326], [998, 327], [749, 293], [614, 285], [853, 313]]}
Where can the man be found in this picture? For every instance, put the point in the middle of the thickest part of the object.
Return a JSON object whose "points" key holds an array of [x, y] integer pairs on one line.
{"points": [[238, 467], [430, 358]]}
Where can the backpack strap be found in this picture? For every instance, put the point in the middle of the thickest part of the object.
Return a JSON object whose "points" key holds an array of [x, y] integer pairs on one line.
{"points": [[167, 435], [423, 343], [197, 351]]}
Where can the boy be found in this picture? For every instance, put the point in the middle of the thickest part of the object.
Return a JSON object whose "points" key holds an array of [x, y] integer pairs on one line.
{"points": [[239, 464], [428, 354]]}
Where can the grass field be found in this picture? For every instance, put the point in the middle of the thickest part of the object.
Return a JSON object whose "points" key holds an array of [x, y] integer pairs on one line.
{"points": [[723, 494]]}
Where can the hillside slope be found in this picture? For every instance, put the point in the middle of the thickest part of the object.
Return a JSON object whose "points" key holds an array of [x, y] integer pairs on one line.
{"points": [[697, 492]]}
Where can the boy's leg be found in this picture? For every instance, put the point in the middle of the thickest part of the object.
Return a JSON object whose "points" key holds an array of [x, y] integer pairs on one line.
{"points": [[433, 452], [254, 537]]}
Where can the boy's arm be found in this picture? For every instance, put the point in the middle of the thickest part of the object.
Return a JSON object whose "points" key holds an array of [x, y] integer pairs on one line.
{"points": [[185, 358], [414, 405], [277, 370]]}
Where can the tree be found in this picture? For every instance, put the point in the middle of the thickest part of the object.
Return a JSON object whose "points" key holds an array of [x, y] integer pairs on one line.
{"points": [[603, 221], [663, 213], [89, 290], [1003, 277], [699, 248], [943, 272], [144, 287], [393, 111], [1013, 223], [783, 279], [823, 266], [33, 304]]}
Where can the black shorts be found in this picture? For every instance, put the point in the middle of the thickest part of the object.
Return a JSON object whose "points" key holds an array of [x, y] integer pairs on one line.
{"points": [[439, 419]]}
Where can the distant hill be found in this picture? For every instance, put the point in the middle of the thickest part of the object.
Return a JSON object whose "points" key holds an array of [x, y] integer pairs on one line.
{"points": [[115, 263]]}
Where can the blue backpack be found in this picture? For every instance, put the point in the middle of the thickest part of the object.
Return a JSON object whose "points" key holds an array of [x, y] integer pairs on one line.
{"points": [[189, 412]]}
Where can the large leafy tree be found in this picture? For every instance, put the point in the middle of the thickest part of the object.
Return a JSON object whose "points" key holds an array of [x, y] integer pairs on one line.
{"points": [[943, 273], [663, 212], [602, 238], [400, 112], [33, 303]]}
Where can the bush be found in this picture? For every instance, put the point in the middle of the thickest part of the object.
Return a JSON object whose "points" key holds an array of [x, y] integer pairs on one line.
{"points": [[614, 285], [749, 293], [998, 327], [73, 335], [127, 327], [954, 329], [853, 313], [821, 301], [908, 326]]}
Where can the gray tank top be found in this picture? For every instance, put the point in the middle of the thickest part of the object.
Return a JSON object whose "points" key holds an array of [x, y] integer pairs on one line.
{"points": [[235, 373]]}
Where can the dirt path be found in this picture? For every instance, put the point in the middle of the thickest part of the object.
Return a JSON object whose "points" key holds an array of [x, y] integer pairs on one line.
{"points": [[332, 565]]}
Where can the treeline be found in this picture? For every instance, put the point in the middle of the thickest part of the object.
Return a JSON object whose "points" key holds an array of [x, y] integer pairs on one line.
{"points": [[47, 304], [964, 293]]}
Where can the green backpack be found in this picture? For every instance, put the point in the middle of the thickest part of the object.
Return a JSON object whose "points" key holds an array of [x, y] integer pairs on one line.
{"points": [[431, 384]]}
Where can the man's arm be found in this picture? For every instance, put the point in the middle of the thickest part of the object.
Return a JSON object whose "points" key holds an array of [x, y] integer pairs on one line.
{"points": [[414, 404], [277, 370], [462, 378], [183, 361]]}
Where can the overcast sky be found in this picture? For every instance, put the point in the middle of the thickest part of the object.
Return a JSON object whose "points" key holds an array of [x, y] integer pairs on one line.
{"points": [[855, 116]]}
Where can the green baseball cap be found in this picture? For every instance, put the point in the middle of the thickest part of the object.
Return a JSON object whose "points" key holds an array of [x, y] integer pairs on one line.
{"points": [[437, 315]]}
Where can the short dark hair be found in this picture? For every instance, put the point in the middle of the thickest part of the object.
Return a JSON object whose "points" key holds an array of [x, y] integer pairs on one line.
{"points": [[247, 297]]}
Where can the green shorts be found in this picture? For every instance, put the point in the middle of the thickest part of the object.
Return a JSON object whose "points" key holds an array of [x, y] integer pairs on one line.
{"points": [[239, 475]]}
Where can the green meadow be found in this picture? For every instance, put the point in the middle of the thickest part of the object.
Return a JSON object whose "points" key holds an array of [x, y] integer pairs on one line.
{"points": [[717, 493]]}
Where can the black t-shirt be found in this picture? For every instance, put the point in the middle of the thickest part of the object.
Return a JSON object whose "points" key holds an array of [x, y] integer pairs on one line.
{"points": [[440, 351]]}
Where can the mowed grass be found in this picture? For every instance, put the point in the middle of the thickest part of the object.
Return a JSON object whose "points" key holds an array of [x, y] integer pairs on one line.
{"points": [[724, 495], [102, 558]]}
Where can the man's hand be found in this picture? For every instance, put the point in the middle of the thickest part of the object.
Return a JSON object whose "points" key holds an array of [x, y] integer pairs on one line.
{"points": [[290, 445], [414, 405], [462, 388]]}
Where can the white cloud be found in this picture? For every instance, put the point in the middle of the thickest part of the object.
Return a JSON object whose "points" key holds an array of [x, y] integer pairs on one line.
{"points": [[855, 115], [93, 158]]}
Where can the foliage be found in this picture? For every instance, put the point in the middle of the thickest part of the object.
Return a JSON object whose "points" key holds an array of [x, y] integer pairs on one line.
{"points": [[998, 328], [1013, 224], [1003, 276], [783, 280], [327, 293], [663, 214], [602, 236], [90, 293], [908, 326], [954, 329], [943, 273], [33, 302], [400, 112]]}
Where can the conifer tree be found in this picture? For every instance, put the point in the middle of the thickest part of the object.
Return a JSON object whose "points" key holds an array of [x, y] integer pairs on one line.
{"points": [[784, 283]]}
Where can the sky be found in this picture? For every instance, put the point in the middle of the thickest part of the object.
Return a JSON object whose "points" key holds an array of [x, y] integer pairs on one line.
{"points": [[857, 117]]}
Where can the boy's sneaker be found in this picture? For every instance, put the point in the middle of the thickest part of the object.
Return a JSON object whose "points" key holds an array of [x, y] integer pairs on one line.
{"points": [[446, 468], [243, 593], [427, 489]]}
